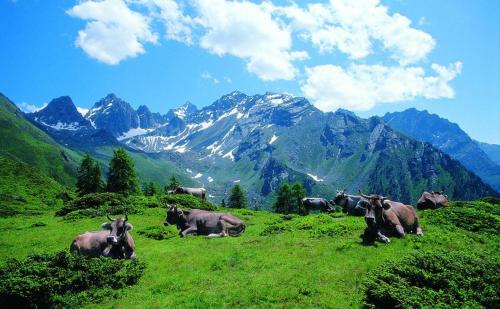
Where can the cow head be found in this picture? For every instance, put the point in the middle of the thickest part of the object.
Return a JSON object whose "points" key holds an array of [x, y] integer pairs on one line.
{"points": [[118, 229], [375, 206], [340, 199], [174, 216]]}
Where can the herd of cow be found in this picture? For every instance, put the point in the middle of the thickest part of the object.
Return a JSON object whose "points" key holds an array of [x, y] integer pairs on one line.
{"points": [[382, 216]]}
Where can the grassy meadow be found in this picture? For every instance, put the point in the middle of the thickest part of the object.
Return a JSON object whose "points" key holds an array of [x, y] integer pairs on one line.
{"points": [[315, 261]]}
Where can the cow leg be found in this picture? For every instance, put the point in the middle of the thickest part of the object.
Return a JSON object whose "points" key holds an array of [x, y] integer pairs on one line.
{"points": [[189, 230], [400, 230], [383, 238]]}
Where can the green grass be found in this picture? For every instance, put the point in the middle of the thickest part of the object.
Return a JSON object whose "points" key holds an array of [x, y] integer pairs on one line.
{"points": [[315, 261]]}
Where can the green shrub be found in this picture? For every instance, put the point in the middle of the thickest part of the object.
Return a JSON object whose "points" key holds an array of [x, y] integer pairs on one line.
{"points": [[490, 199], [159, 232], [435, 280], [470, 216], [187, 201], [64, 280], [98, 204]]}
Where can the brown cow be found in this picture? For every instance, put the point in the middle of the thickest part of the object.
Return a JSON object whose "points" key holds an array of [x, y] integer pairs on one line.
{"points": [[385, 217], [432, 200], [202, 222], [116, 242]]}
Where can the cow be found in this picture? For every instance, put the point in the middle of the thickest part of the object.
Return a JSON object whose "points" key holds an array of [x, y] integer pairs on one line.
{"points": [[115, 242], [317, 203], [353, 205], [202, 222], [432, 200], [198, 192], [385, 217]]}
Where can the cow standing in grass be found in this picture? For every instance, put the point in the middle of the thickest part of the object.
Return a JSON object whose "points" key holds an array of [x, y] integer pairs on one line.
{"points": [[317, 203], [385, 217], [353, 205], [114, 242], [202, 222], [198, 192]]}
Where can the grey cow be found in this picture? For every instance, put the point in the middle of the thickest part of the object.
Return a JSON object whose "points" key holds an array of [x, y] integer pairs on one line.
{"points": [[115, 242], [317, 203], [353, 205], [202, 222], [198, 192], [432, 200], [385, 217]]}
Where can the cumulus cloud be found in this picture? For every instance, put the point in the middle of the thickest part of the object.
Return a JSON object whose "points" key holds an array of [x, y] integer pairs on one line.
{"points": [[30, 108], [247, 30], [352, 27], [113, 31], [360, 87]]}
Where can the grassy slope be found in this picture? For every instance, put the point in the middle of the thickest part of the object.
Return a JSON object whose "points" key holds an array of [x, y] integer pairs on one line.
{"points": [[291, 269], [25, 189], [21, 140]]}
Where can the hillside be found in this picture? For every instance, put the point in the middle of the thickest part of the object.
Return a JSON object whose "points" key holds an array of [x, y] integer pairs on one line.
{"points": [[25, 190], [449, 138], [23, 141], [492, 150]]}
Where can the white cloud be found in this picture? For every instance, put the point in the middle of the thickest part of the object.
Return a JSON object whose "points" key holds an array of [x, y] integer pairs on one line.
{"points": [[247, 30], [30, 108], [206, 75], [177, 25], [113, 31], [352, 27], [361, 87]]}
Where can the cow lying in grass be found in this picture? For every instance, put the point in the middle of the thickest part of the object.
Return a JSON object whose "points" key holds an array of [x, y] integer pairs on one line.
{"points": [[385, 217], [353, 205], [432, 200], [114, 242], [202, 222]]}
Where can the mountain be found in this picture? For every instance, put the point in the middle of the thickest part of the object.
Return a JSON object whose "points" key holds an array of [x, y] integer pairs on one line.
{"points": [[449, 138], [492, 150], [262, 141], [22, 141], [61, 120], [183, 111]]}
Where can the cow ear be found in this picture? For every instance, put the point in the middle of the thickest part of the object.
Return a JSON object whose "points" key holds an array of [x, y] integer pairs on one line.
{"points": [[129, 226], [386, 205], [106, 226]]}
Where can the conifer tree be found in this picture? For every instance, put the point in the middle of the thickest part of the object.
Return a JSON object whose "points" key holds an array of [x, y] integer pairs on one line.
{"points": [[174, 183], [122, 177], [284, 200], [89, 177], [298, 193], [237, 199], [223, 204]]}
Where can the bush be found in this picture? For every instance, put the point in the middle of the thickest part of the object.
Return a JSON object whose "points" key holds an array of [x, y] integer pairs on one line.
{"points": [[471, 216], [435, 280], [64, 280], [490, 199], [98, 204], [159, 232], [187, 201]]}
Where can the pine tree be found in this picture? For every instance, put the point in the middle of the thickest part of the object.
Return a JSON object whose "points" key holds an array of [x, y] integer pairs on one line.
{"points": [[284, 201], [89, 177], [174, 183], [122, 177], [298, 193], [150, 188], [223, 204], [237, 199]]}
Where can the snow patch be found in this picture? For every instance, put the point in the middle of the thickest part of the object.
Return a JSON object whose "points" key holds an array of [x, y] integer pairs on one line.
{"points": [[230, 155], [315, 178], [133, 132], [73, 126], [197, 176], [188, 170], [236, 181], [273, 139], [210, 179], [82, 111]]}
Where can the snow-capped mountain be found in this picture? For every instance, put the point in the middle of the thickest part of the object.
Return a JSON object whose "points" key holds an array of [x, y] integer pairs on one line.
{"points": [[61, 114]]}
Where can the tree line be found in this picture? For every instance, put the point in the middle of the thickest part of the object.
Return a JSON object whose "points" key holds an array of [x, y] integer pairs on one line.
{"points": [[122, 178]]}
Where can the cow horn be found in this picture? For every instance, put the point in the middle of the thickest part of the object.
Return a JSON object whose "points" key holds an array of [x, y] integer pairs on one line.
{"points": [[365, 196], [110, 219]]}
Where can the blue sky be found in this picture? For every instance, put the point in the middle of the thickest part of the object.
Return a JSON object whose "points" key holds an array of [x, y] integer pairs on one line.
{"points": [[368, 56]]}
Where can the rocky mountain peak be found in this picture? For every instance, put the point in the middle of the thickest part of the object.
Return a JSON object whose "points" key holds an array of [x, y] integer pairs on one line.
{"points": [[60, 114]]}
